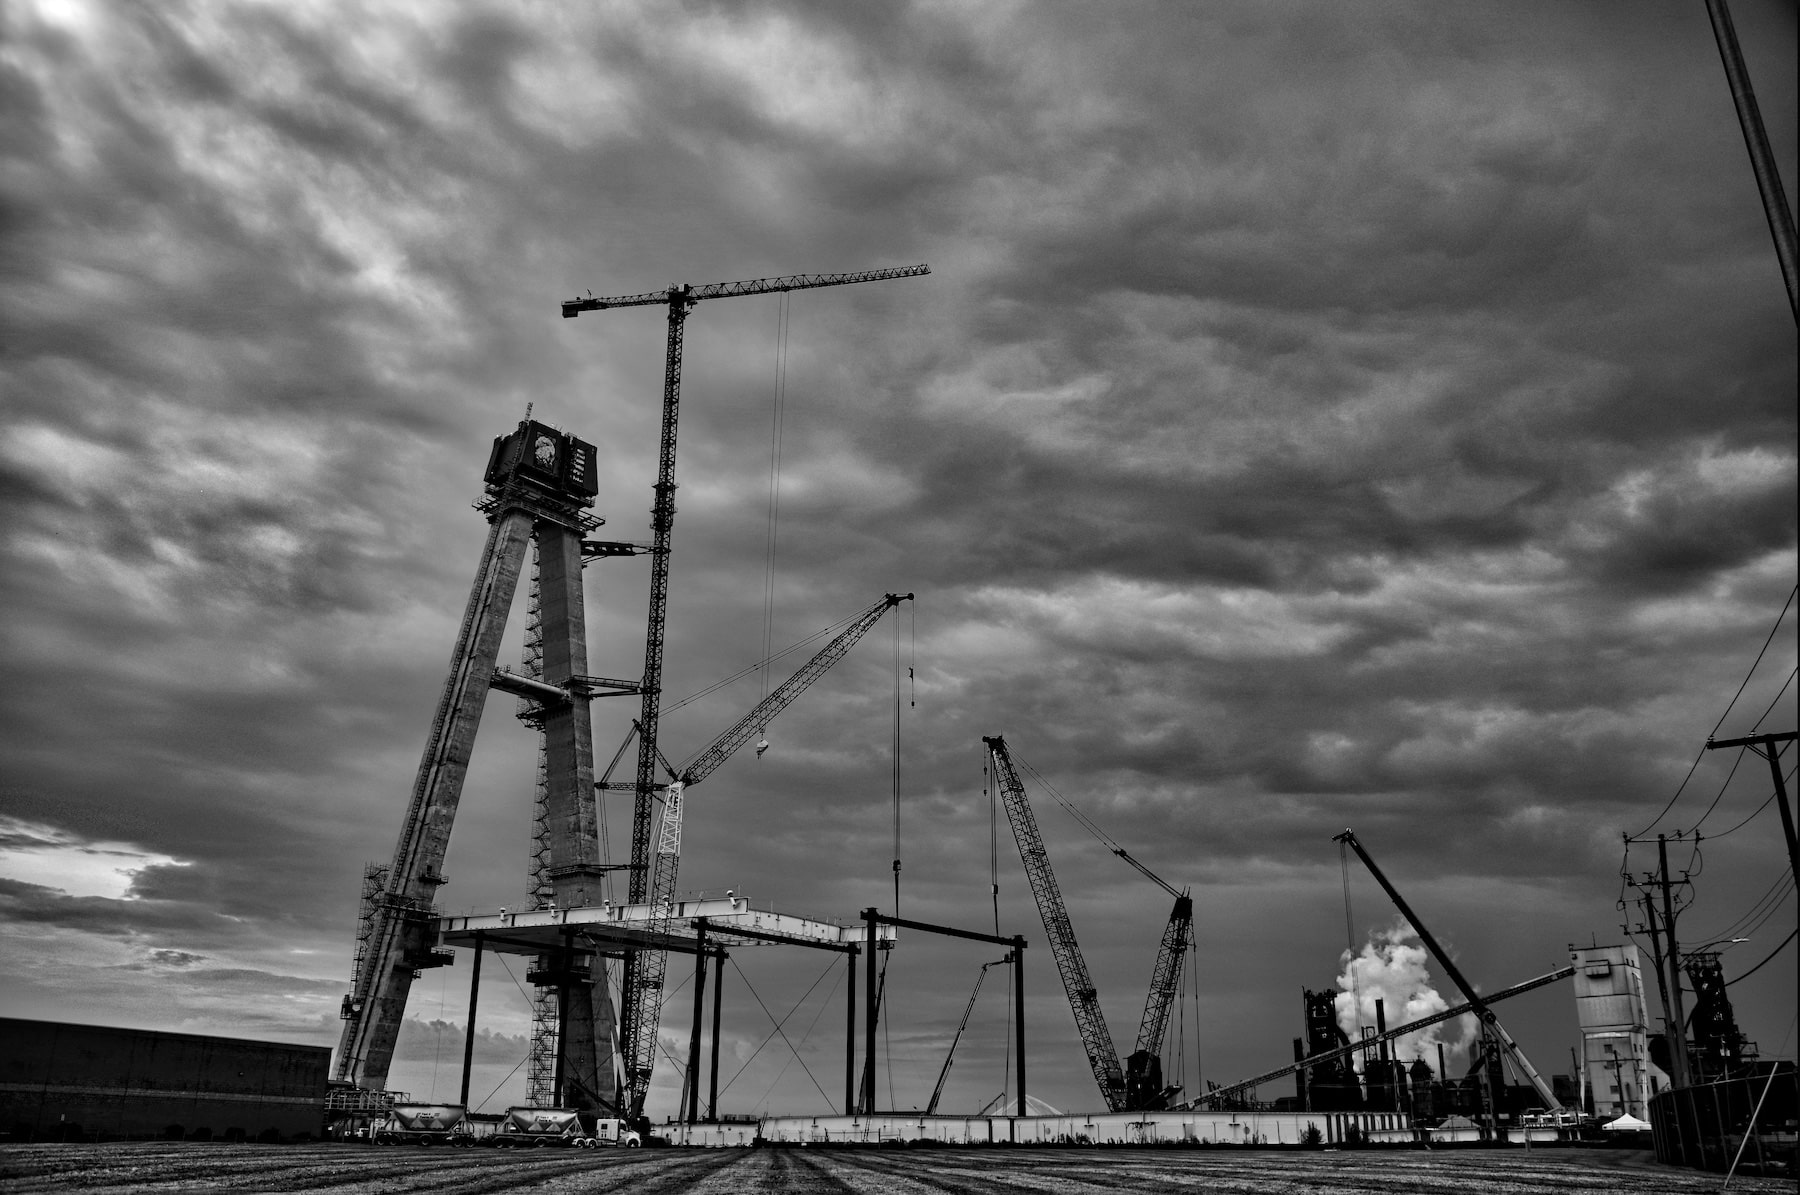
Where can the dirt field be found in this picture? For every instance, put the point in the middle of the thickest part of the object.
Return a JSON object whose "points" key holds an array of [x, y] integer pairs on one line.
{"points": [[125, 1168]]}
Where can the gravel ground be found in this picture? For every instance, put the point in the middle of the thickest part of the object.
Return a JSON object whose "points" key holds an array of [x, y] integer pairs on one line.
{"points": [[127, 1167]]}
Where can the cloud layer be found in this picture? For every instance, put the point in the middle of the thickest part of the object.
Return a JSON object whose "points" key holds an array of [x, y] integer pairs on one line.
{"points": [[1315, 416]]}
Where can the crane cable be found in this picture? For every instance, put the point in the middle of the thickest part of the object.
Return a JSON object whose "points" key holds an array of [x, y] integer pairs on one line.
{"points": [[1087, 823], [778, 411], [1779, 619], [894, 754]]}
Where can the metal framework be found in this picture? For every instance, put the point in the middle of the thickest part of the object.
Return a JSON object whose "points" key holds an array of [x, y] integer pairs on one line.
{"points": [[637, 1041], [1084, 999], [875, 919]]}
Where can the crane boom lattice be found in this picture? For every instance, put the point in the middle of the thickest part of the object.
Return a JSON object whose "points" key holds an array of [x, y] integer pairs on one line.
{"points": [[1084, 1000], [1143, 1068]]}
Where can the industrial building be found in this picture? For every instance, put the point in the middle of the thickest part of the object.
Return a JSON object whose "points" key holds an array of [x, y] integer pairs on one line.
{"points": [[91, 1082], [1617, 1070]]}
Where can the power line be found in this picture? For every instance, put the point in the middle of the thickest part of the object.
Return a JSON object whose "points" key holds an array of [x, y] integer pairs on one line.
{"points": [[1760, 911], [1771, 954], [1767, 801], [1720, 796], [1757, 725], [1779, 619]]}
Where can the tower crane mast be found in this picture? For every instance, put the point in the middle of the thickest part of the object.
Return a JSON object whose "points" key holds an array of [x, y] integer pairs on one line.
{"points": [[679, 300]]}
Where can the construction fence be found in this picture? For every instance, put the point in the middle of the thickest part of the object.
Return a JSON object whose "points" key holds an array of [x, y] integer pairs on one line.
{"points": [[1712, 1126]]}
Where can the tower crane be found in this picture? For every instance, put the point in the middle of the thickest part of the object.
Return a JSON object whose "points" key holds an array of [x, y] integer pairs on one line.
{"points": [[1489, 1022], [938, 1091], [1139, 1087], [679, 300], [646, 996]]}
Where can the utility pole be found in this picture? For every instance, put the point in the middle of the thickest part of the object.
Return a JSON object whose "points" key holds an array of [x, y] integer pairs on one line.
{"points": [[1678, 1018], [1756, 140], [1656, 956], [1765, 745]]}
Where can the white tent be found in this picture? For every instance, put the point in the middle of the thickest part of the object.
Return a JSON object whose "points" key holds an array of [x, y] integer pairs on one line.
{"points": [[1626, 1124]]}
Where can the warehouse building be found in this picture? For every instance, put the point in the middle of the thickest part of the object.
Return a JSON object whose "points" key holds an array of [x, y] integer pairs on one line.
{"points": [[73, 1082]]}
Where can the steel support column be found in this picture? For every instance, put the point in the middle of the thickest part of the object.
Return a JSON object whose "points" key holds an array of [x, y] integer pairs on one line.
{"points": [[469, 1029], [869, 1015], [712, 1104], [850, 1038], [691, 1083], [1019, 1013]]}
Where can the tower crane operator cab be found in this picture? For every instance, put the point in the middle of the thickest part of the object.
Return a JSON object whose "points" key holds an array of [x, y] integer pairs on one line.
{"points": [[548, 459]]}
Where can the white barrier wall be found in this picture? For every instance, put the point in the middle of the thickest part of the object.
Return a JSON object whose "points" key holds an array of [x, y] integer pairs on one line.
{"points": [[1128, 1128]]}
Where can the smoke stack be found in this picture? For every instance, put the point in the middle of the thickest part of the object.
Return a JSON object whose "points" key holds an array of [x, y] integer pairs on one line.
{"points": [[1381, 1024], [1442, 1073]]}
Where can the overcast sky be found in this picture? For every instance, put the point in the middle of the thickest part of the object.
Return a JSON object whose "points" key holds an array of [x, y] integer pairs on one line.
{"points": [[1317, 415]]}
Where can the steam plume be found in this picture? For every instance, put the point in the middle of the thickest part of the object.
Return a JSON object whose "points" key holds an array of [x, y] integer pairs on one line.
{"points": [[1392, 967]]}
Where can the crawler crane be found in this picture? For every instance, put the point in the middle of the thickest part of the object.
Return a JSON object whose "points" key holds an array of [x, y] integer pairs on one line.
{"points": [[1139, 1085]]}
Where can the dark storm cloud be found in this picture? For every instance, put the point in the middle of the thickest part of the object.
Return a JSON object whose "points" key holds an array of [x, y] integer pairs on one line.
{"points": [[124, 919], [1315, 416]]}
